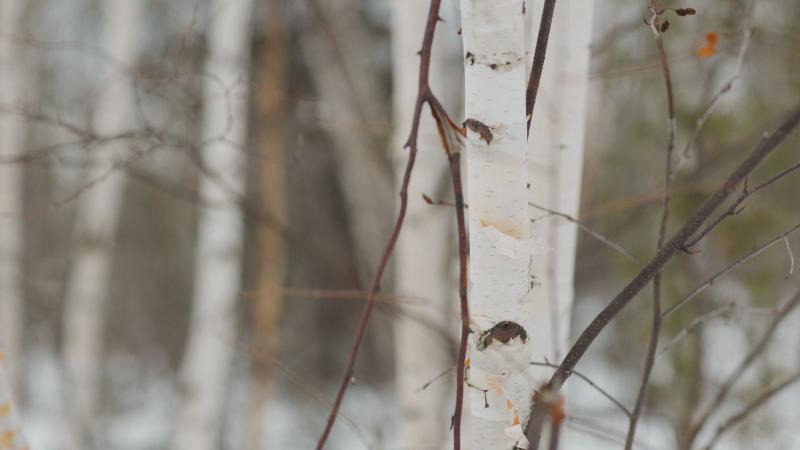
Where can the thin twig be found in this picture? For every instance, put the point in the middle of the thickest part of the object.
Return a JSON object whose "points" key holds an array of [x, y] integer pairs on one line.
{"points": [[424, 95], [434, 379], [591, 383], [737, 72], [675, 245], [710, 281], [549, 213], [791, 257], [652, 346], [591, 232], [538, 59], [751, 408], [696, 322], [780, 314], [734, 209]]}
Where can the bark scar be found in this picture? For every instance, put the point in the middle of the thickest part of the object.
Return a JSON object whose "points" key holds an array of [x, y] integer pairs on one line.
{"points": [[504, 332], [479, 127]]}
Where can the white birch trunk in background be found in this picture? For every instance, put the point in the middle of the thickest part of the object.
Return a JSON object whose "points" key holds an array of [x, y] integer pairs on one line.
{"points": [[218, 259], [12, 137], [422, 256], [500, 246], [99, 209], [555, 156], [11, 431]]}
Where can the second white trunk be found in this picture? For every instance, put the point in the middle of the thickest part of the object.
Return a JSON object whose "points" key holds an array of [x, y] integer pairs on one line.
{"points": [[217, 278]]}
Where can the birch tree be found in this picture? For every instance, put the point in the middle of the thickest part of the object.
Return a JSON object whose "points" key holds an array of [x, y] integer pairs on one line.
{"points": [[427, 232], [500, 274], [218, 262], [98, 212], [11, 183], [555, 153]]}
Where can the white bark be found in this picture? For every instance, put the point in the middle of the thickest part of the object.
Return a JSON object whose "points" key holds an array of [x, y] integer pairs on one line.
{"points": [[422, 257], [555, 162], [11, 432], [12, 137], [212, 328], [99, 209], [500, 245]]}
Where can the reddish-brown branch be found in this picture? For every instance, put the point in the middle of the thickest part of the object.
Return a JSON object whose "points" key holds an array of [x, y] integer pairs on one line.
{"points": [[455, 171], [675, 245], [669, 176], [539, 53], [424, 95]]}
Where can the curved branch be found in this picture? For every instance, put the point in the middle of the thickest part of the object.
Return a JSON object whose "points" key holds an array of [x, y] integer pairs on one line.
{"points": [[675, 245]]}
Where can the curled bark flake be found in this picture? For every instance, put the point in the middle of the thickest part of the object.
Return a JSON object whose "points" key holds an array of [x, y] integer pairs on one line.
{"points": [[479, 127]]}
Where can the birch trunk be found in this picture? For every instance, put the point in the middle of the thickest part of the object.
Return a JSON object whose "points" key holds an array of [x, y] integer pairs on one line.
{"points": [[11, 433], [556, 160], [12, 137], [99, 209], [422, 256], [218, 258], [267, 299], [499, 268]]}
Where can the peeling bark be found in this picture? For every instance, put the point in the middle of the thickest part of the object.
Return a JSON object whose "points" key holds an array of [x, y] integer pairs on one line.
{"points": [[498, 380]]}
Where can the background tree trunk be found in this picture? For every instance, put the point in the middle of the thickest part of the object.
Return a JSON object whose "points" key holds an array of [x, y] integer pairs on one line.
{"points": [[423, 256], [12, 141], [500, 248], [272, 89], [555, 156], [218, 258], [99, 209]]}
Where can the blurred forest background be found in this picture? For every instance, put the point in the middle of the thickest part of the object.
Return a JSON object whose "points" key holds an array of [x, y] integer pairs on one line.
{"points": [[127, 127]]}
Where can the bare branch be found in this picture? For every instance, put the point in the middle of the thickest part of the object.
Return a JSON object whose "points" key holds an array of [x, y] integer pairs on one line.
{"points": [[722, 311], [734, 209], [591, 383], [593, 233], [538, 59], [650, 356], [751, 407], [780, 314], [706, 284], [675, 245], [737, 71]]}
